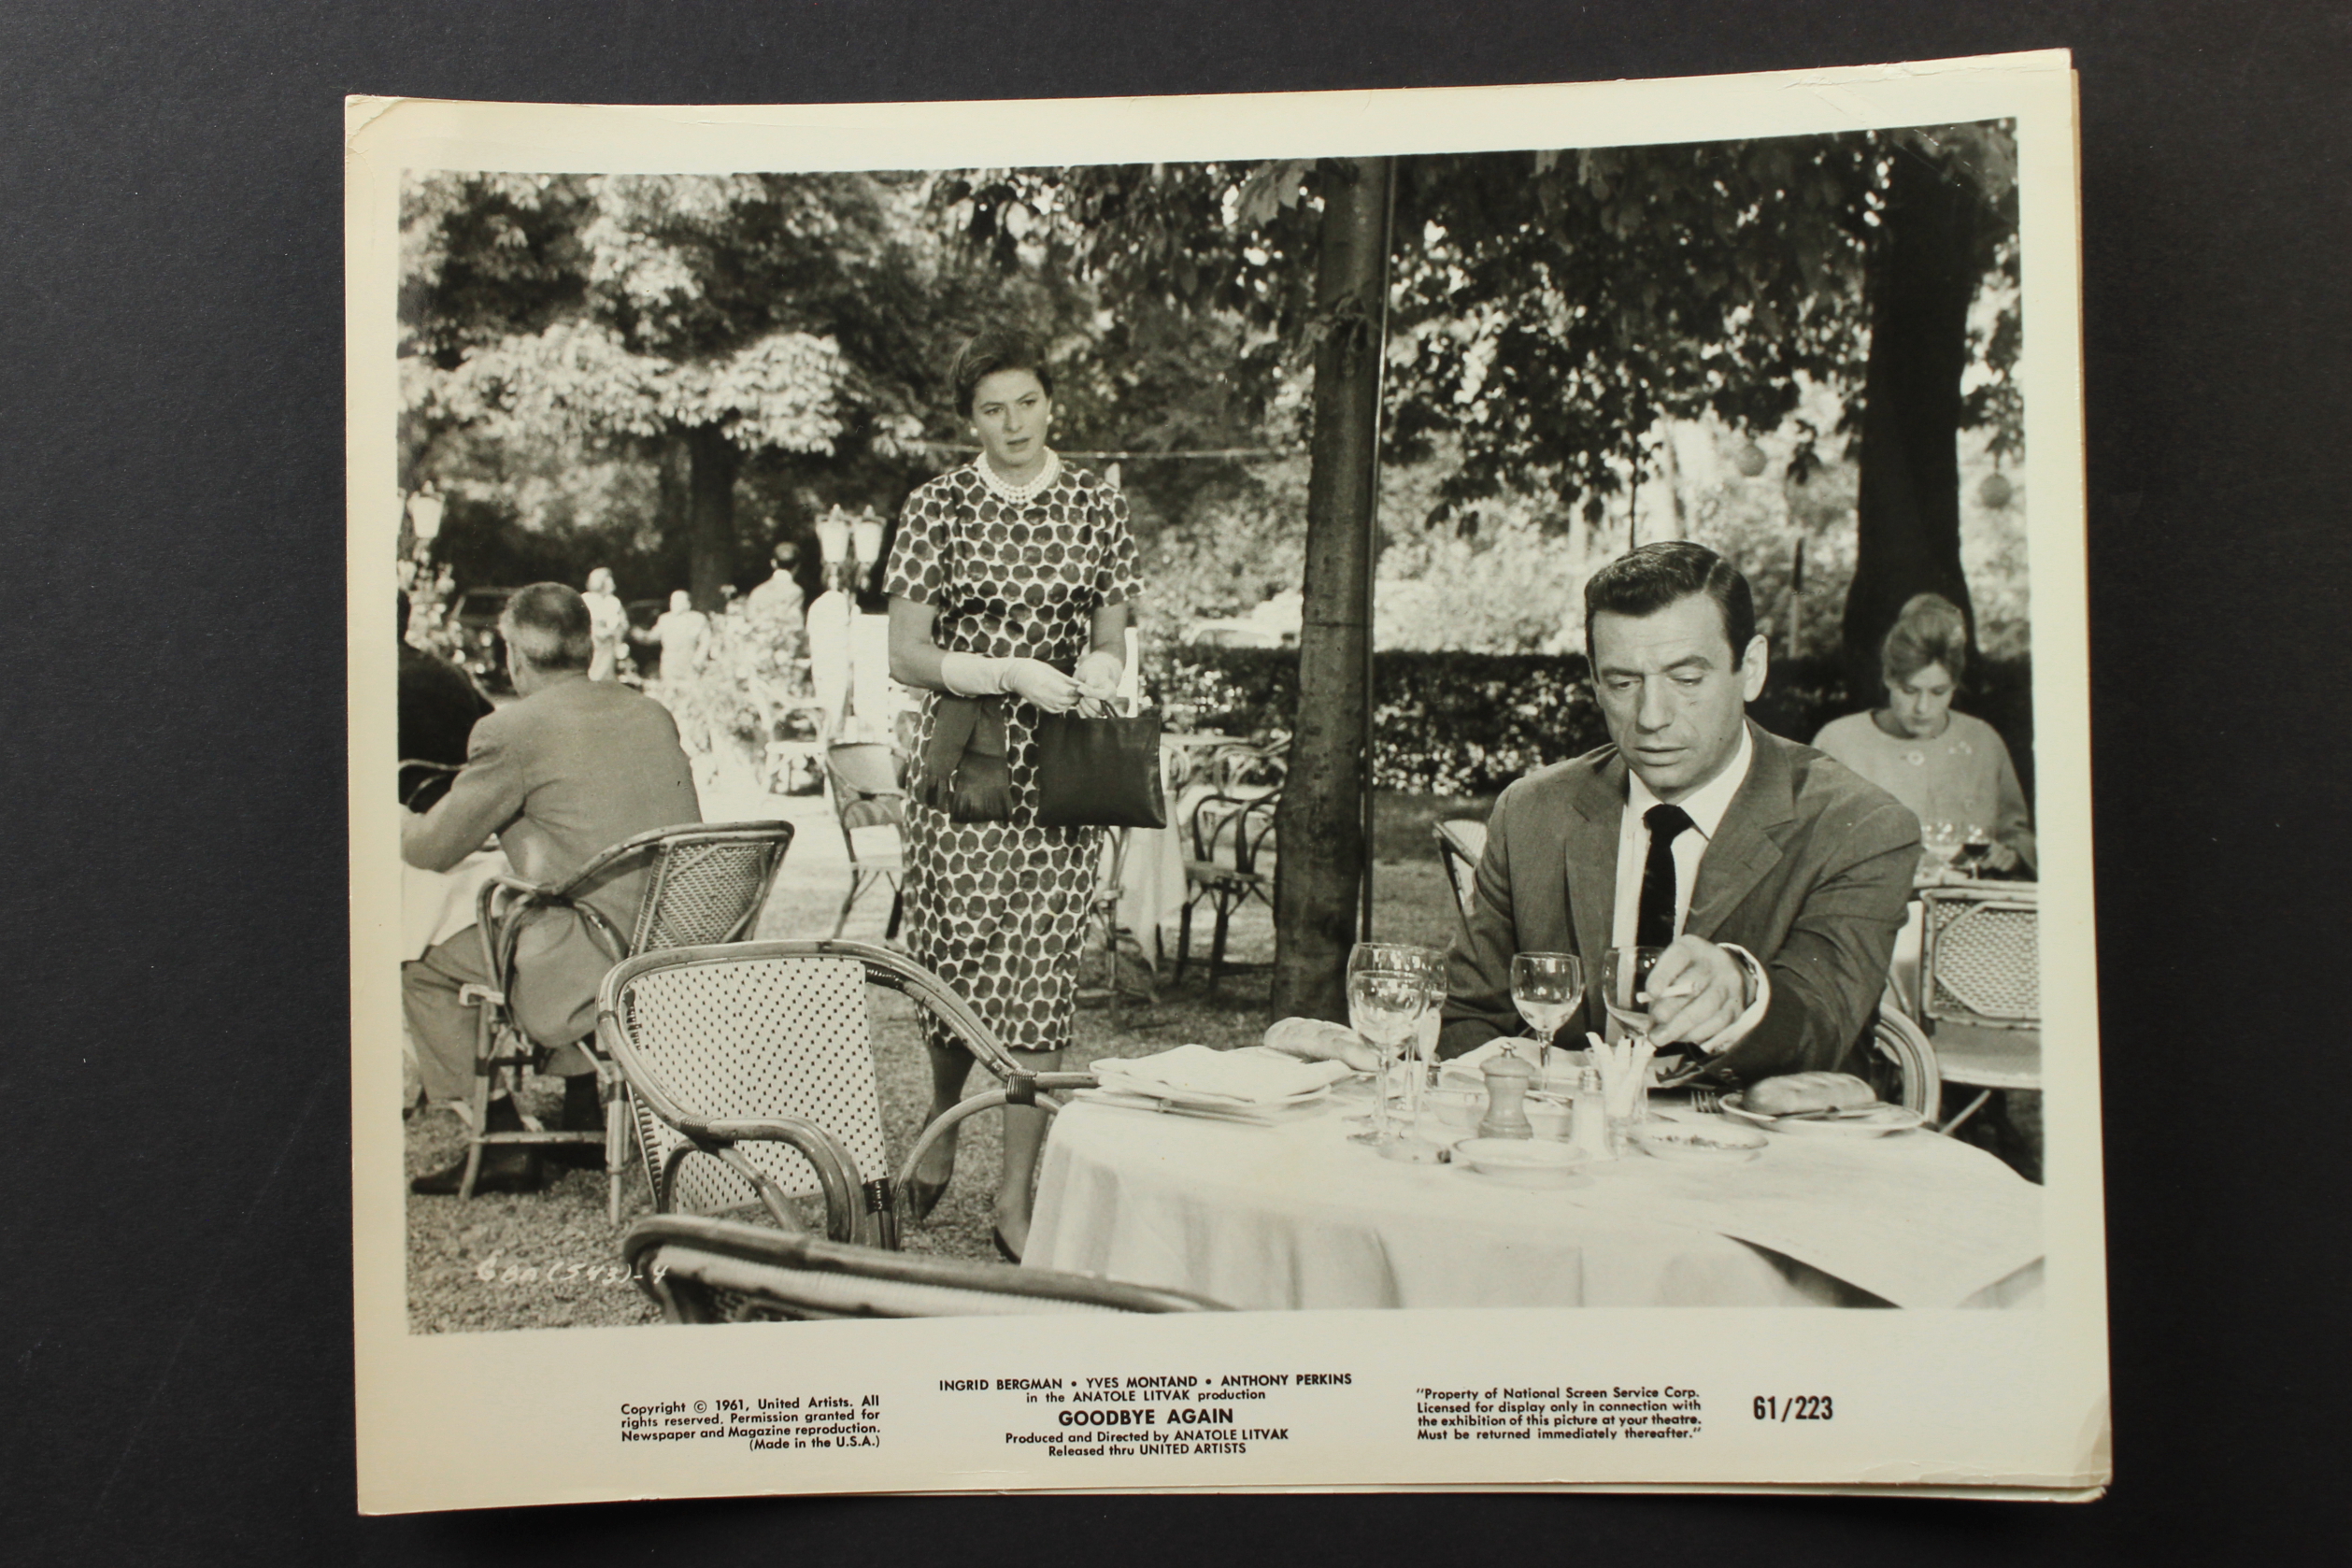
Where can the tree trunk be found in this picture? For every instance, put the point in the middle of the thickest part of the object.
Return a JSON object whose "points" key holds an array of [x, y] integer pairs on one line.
{"points": [[1320, 826], [710, 514], [1922, 279]]}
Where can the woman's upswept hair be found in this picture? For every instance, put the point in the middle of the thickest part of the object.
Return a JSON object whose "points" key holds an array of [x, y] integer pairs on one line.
{"points": [[990, 352], [1930, 631]]}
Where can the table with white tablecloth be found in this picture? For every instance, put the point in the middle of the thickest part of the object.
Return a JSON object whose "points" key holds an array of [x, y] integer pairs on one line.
{"points": [[1294, 1215], [436, 905]]}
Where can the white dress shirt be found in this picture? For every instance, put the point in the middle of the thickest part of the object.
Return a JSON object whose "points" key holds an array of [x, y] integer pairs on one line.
{"points": [[1705, 806]]}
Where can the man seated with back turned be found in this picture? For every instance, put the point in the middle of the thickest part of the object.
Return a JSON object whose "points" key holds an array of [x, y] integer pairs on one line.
{"points": [[1775, 877], [570, 768]]}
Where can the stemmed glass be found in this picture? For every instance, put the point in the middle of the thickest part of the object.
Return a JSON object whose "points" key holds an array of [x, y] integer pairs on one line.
{"points": [[1546, 988], [1427, 966], [1976, 842], [1385, 1007], [1625, 993], [1940, 838]]}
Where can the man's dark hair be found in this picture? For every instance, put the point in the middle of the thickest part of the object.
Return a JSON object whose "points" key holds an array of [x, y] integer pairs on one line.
{"points": [[990, 352], [548, 624], [1647, 581]]}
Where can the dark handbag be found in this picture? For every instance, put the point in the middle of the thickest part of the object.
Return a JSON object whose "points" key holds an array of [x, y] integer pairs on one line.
{"points": [[963, 772], [1099, 772]]}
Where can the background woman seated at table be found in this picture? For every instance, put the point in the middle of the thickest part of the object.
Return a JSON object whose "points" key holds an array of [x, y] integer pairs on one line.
{"points": [[1945, 766]]}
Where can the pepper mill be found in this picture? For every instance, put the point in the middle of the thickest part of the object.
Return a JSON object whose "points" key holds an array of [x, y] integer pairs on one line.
{"points": [[1508, 1080]]}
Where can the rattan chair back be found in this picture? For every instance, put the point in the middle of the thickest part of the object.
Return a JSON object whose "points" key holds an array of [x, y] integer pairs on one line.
{"points": [[865, 789], [701, 1270], [709, 1038], [708, 883], [1981, 959], [1460, 843]]}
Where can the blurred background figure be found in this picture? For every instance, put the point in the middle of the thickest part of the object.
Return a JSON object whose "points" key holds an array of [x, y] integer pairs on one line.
{"points": [[776, 604], [1952, 770], [608, 625], [439, 705]]}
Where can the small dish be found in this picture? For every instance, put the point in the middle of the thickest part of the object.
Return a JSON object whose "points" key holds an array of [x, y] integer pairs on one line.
{"points": [[1875, 1122], [1520, 1162], [1712, 1142]]}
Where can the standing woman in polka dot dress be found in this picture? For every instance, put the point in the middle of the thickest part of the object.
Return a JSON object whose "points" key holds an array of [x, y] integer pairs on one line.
{"points": [[1011, 576]]}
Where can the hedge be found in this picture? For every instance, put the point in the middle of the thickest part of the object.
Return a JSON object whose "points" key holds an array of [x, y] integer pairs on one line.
{"points": [[1459, 724]]}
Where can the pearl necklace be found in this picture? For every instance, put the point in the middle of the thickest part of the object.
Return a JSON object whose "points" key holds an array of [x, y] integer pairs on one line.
{"points": [[1004, 490]]}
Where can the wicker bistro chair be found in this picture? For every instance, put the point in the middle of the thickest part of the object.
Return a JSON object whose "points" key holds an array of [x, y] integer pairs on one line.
{"points": [[758, 1058], [863, 778], [423, 782], [701, 1270], [1141, 974], [1980, 987], [1460, 842], [1229, 831], [1906, 1052], [707, 884]]}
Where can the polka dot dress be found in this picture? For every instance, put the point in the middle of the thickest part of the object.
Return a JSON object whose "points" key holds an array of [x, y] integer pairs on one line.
{"points": [[999, 908]]}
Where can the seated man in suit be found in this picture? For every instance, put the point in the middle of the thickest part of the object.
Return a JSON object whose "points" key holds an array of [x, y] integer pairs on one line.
{"points": [[1775, 877], [438, 707], [570, 768]]}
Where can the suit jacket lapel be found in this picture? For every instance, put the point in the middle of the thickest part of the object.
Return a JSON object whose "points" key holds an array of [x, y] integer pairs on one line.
{"points": [[1747, 842], [1593, 835]]}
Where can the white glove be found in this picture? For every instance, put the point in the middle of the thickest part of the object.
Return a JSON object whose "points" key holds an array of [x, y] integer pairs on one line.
{"points": [[1037, 682], [1098, 674]]}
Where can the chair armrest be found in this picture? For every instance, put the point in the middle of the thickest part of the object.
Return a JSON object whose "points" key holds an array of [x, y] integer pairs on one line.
{"points": [[846, 1218]]}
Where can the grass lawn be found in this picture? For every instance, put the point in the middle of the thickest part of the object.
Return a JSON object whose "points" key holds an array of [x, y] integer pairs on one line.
{"points": [[467, 1261]]}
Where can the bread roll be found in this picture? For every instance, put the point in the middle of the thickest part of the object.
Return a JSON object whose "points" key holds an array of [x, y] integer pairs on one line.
{"points": [[1809, 1091], [1315, 1040]]}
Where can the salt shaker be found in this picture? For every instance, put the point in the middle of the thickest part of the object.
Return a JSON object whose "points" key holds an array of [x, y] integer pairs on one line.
{"points": [[1589, 1119], [1508, 1080]]}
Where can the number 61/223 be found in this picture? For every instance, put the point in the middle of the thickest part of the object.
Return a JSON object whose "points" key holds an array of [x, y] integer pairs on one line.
{"points": [[1794, 1408]]}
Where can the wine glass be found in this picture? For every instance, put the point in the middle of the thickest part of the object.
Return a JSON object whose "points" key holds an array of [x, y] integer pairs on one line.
{"points": [[1408, 959], [1546, 988], [1625, 992], [1940, 837], [1385, 1007], [1975, 844]]}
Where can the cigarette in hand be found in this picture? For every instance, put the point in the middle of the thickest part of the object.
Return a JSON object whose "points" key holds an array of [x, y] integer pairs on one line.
{"points": [[1668, 993]]}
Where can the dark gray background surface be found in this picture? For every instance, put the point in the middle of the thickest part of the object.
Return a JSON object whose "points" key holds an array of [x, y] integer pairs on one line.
{"points": [[176, 1327]]}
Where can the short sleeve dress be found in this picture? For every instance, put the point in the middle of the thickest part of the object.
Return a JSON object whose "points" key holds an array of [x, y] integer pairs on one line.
{"points": [[998, 909]]}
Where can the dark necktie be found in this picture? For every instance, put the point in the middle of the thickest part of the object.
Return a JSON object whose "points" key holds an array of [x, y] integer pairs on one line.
{"points": [[1654, 924]]}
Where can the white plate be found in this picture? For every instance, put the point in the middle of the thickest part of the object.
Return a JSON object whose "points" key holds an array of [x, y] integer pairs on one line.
{"points": [[1190, 1100], [1881, 1120], [1709, 1142], [1520, 1162]]}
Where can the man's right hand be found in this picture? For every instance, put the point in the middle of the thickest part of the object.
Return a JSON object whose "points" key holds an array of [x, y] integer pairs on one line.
{"points": [[1038, 683]]}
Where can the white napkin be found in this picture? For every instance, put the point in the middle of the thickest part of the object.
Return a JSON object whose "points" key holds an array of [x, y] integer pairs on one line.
{"points": [[1250, 1076]]}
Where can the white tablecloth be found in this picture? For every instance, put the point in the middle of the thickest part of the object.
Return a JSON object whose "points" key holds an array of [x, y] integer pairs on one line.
{"points": [[436, 905], [1295, 1216]]}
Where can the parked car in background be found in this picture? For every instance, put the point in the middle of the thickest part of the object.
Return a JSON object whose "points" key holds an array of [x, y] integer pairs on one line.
{"points": [[481, 650], [1233, 632]]}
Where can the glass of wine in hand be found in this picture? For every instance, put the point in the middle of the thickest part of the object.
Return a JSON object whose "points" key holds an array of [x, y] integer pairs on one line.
{"points": [[1546, 988], [1626, 992]]}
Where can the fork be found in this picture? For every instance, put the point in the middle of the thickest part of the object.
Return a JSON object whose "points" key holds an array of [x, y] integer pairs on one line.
{"points": [[1706, 1101]]}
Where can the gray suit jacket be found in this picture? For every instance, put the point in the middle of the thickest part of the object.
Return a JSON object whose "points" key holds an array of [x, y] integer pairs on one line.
{"points": [[1809, 870], [570, 770]]}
